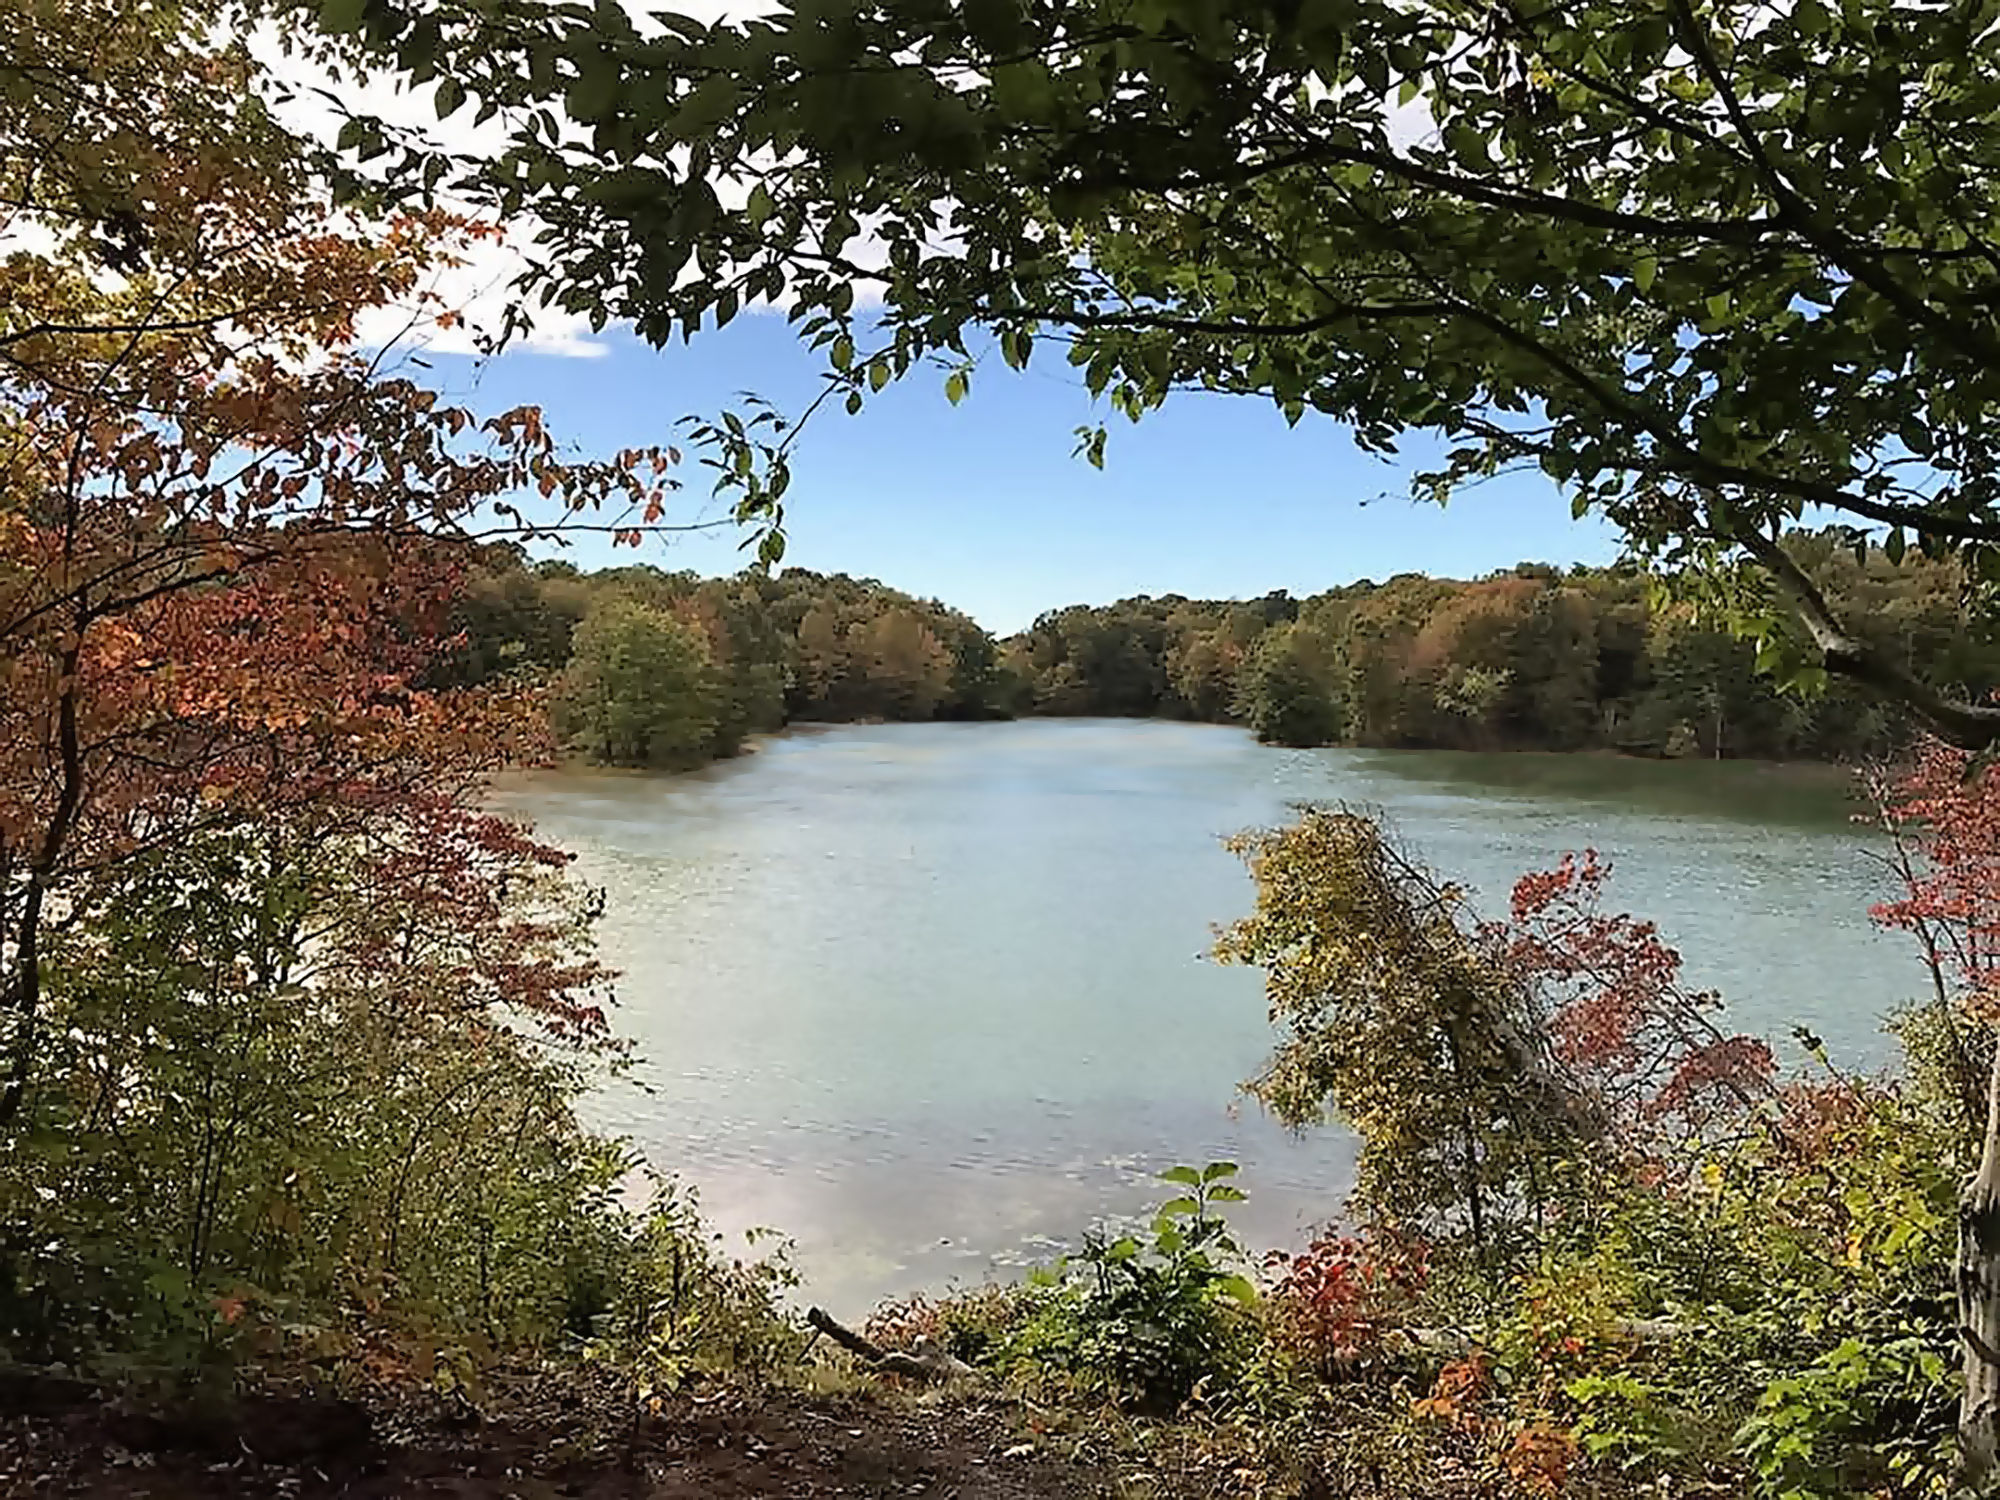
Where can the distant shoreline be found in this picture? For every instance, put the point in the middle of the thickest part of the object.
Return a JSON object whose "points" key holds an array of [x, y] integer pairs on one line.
{"points": [[1789, 770]]}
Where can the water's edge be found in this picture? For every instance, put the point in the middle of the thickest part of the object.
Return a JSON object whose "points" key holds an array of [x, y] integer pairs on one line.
{"points": [[931, 997]]}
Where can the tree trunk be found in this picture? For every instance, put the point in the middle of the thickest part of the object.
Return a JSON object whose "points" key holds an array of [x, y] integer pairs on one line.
{"points": [[1979, 1303]]}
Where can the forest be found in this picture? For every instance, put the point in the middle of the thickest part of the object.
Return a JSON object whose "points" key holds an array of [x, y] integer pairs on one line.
{"points": [[646, 668], [300, 1189]]}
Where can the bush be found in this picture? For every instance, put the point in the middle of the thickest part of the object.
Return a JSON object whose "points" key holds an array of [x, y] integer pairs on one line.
{"points": [[309, 1099], [1144, 1319], [678, 1307]]}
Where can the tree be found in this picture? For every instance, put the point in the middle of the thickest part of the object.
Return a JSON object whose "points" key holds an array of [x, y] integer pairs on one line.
{"points": [[1282, 693], [1469, 654], [1948, 828], [908, 669], [640, 689], [511, 620], [748, 657], [1706, 263], [1387, 702], [1202, 669], [290, 1029], [822, 657], [226, 537], [1475, 1058]]}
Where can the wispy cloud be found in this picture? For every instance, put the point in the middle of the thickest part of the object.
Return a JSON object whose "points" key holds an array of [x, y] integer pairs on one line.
{"points": [[481, 289]]}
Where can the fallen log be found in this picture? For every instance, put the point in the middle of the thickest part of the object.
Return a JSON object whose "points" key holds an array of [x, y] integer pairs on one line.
{"points": [[925, 1361]]}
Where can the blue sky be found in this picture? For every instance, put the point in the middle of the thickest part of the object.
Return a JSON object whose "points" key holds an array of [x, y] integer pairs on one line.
{"points": [[981, 505]]}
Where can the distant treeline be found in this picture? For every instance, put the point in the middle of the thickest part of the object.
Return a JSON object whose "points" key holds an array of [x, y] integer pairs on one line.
{"points": [[669, 669]]}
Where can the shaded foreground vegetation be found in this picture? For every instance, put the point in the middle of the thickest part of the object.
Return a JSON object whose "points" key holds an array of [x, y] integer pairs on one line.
{"points": [[1599, 1244], [568, 1435], [663, 669]]}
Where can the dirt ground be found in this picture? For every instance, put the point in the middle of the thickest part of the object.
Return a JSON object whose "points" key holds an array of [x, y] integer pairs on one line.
{"points": [[536, 1440]]}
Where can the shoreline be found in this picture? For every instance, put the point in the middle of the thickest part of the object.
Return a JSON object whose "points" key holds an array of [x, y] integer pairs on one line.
{"points": [[754, 744]]}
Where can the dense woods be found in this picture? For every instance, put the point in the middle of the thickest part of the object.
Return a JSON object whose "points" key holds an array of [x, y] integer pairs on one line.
{"points": [[666, 669], [1533, 658], [291, 1027], [648, 668]]}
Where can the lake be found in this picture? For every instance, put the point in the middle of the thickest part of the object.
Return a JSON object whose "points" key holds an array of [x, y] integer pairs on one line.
{"points": [[931, 998]]}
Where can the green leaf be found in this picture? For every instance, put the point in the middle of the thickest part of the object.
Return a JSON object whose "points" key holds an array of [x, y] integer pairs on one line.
{"points": [[450, 97], [1215, 1171], [1186, 1175], [994, 24], [1022, 90], [1222, 1192], [593, 96], [842, 353], [1718, 307], [1469, 146], [1644, 269], [340, 17], [955, 386], [760, 207], [1238, 1287], [1176, 1208], [878, 374], [713, 99], [418, 51]]}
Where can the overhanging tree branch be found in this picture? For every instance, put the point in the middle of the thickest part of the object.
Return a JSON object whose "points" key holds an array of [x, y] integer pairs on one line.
{"points": [[1953, 329], [1970, 726]]}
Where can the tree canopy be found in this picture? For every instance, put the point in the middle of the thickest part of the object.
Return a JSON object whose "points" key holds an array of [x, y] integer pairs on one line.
{"points": [[290, 1024], [1533, 657], [1715, 267]]}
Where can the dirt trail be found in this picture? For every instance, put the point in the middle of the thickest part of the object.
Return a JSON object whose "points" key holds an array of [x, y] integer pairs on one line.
{"points": [[546, 1439]]}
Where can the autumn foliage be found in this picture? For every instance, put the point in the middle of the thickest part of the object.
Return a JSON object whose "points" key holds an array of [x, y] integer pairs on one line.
{"points": [[1619, 1016], [1595, 1235], [1558, 1034], [288, 1025], [1340, 1303], [1947, 819]]}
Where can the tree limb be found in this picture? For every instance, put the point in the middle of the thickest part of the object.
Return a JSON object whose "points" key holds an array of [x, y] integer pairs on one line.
{"points": [[1970, 726], [928, 1362]]}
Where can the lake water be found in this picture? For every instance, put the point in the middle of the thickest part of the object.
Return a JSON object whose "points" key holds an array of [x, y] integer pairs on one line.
{"points": [[930, 998]]}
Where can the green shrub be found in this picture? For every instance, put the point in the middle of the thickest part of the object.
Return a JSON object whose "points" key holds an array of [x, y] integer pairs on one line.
{"points": [[679, 1307], [301, 1101], [1145, 1318]]}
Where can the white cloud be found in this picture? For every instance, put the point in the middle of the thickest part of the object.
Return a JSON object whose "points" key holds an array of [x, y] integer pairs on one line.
{"points": [[480, 290]]}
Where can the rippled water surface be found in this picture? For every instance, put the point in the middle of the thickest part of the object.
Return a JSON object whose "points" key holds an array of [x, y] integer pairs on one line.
{"points": [[929, 997]]}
